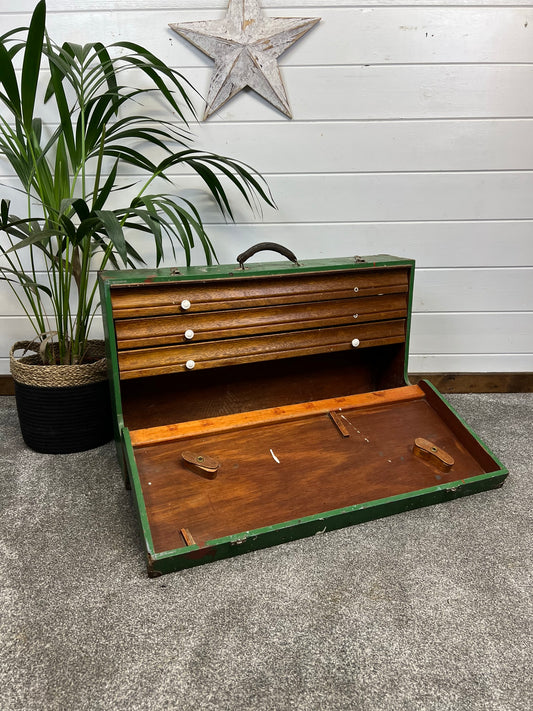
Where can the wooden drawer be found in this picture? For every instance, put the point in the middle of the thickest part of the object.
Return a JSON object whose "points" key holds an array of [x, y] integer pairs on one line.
{"points": [[162, 330], [233, 351], [235, 293]]}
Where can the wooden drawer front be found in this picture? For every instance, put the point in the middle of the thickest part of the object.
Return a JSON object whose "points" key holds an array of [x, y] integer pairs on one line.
{"points": [[212, 354], [164, 330], [223, 294]]}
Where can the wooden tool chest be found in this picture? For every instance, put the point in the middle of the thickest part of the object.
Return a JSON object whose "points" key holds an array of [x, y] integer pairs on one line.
{"points": [[257, 403]]}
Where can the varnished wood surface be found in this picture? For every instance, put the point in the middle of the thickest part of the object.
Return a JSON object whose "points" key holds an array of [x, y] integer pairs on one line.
{"points": [[256, 418], [161, 330], [317, 470], [215, 354], [222, 294]]}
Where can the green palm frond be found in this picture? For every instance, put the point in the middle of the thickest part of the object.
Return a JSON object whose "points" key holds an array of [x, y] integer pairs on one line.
{"points": [[78, 212]]}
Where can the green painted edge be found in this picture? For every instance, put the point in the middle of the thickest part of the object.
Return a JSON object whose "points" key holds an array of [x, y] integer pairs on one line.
{"points": [[237, 544], [219, 271], [408, 322], [112, 362], [137, 491]]}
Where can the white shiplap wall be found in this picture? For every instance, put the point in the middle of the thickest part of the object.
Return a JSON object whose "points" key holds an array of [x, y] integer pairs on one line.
{"points": [[412, 134]]}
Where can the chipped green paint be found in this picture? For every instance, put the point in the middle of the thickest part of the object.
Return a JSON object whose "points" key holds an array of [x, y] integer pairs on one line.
{"points": [[247, 541], [221, 271], [112, 369], [135, 482]]}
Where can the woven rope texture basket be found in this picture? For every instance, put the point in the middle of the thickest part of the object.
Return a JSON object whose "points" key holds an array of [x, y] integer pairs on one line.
{"points": [[28, 369]]}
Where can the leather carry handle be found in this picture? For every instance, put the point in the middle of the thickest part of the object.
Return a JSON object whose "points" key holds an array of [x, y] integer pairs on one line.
{"points": [[262, 246]]}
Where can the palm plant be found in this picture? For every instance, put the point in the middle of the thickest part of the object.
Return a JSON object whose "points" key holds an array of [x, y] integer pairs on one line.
{"points": [[70, 174]]}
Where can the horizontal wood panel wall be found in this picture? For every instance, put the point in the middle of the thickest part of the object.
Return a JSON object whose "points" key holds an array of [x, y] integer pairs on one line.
{"points": [[412, 135]]}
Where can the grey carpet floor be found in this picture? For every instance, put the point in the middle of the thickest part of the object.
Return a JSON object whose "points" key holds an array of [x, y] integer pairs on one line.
{"points": [[425, 610]]}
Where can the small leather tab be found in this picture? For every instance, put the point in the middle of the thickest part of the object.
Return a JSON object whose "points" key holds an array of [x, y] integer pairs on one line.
{"points": [[427, 450], [201, 464]]}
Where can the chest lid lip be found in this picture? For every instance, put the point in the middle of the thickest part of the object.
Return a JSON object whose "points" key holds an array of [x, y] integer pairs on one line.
{"points": [[138, 277]]}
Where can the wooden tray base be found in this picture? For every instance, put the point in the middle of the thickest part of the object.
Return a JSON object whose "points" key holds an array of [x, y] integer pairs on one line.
{"points": [[291, 462]]}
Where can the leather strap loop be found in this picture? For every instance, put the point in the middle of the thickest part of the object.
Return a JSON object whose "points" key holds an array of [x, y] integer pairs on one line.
{"points": [[263, 246]]}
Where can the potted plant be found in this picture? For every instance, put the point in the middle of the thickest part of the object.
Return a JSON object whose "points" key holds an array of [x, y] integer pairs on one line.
{"points": [[75, 216]]}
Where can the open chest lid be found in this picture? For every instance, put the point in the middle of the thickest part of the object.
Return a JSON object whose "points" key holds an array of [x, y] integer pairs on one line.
{"points": [[261, 404]]}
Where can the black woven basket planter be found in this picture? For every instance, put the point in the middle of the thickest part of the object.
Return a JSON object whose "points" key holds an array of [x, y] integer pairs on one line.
{"points": [[62, 418]]}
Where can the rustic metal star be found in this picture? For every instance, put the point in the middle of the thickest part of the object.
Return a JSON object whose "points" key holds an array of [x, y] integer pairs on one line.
{"points": [[245, 45]]}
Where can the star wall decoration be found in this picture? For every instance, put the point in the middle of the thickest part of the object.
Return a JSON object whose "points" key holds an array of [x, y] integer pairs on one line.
{"points": [[245, 45]]}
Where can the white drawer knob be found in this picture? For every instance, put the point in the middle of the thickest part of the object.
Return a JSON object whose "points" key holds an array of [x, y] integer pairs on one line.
{"points": [[355, 342], [185, 304], [190, 364], [356, 289], [189, 333]]}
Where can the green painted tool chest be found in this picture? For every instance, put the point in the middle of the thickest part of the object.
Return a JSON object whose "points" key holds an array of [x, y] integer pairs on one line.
{"points": [[258, 403]]}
